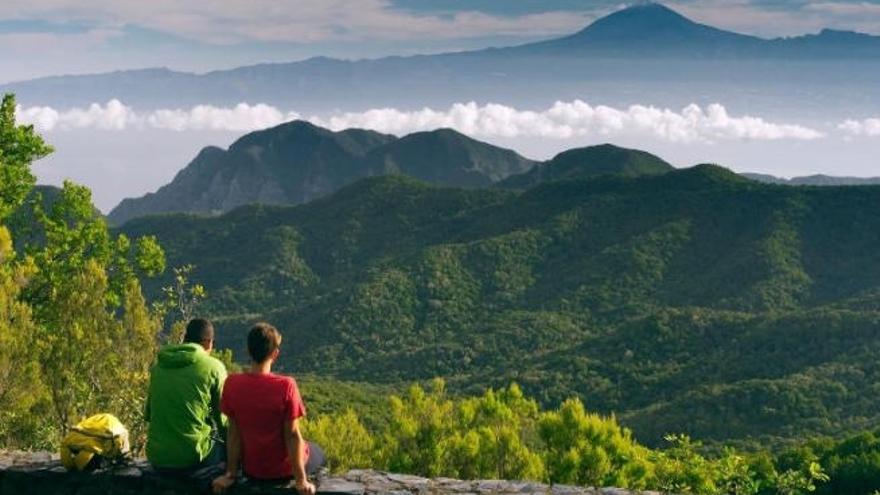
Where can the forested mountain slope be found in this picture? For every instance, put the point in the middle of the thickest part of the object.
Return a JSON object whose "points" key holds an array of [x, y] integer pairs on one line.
{"points": [[590, 162], [693, 301]]}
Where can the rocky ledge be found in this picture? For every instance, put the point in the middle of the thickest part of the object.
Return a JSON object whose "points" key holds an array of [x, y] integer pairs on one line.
{"points": [[28, 472]]}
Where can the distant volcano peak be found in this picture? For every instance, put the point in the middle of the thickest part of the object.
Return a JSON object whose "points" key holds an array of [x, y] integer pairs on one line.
{"points": [[651, 17], [649, 22]]}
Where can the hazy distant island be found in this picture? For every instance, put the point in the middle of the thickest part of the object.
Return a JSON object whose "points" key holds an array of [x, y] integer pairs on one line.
{"points": [[681, 53]]}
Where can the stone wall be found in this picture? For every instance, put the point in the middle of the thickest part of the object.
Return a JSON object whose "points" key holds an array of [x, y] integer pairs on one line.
{"points": [[41, 473]]}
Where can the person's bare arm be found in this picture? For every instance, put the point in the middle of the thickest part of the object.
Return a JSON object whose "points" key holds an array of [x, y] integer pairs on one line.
{"points": [[296, 449], [233, 455]]}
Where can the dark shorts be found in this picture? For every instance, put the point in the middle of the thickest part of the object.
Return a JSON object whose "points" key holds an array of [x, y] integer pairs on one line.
{"points": [[214, 465], [314, 463], [316, 459], [203, 473]]}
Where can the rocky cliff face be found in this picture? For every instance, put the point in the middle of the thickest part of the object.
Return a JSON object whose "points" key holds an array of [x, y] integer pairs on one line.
{"points": [[23, 472]]}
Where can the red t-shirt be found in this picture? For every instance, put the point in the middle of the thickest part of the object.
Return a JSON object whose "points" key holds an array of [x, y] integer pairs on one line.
{"points": [[260, 405]]}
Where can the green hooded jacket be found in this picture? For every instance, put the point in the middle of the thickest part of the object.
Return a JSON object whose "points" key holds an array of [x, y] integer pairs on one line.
{"points": [[183, 406]]}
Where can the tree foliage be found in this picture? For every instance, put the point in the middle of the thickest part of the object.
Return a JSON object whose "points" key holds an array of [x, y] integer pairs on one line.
{"points": [[502, 434], [19, 147], [588, 449], [77, 336], [21, 391]]}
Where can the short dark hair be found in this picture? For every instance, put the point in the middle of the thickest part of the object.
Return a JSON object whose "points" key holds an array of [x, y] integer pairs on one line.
{"points": [[198, 330], [263, 339]]}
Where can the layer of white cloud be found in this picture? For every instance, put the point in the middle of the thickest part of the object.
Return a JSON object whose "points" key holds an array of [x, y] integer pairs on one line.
{"points": [[564, 120], [572, 119], [115, 115], [242, 117], [865, 127]]}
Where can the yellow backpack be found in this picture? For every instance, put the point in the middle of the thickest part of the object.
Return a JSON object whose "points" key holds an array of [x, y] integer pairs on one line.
{"points": [[93, 441]]}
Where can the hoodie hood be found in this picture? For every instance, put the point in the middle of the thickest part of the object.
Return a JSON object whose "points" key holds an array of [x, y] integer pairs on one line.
{"points": [[180, 355]]}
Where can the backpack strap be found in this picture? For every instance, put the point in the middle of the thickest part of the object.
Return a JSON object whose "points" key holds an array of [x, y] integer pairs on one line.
{"points": [[93, 434]]}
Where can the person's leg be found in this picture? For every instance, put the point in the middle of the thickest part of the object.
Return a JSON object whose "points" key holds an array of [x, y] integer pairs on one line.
{"points": [[173, 472], [316, 459], [211, 467], [216, 456]]}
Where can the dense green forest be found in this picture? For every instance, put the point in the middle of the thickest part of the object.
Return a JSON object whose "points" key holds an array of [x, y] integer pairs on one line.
{"points": [[589, 162], [695, 301]]}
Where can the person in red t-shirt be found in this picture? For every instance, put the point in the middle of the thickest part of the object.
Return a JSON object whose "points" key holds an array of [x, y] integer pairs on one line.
{"points": [[264, 411]]}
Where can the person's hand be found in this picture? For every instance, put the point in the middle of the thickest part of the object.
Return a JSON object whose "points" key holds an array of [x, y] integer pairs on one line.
{"points": [[305, 487], [222, 483]]}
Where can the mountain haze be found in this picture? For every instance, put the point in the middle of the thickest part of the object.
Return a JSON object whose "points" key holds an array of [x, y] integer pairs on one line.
{"points": [[815, 180]]}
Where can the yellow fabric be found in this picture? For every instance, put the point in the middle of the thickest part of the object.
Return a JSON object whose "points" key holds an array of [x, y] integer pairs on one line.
{"points": [[101, 434]]}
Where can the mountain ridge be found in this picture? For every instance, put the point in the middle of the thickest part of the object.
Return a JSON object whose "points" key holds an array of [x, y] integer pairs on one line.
{"points": [[590, 161], [814, 180], [297, 162]]}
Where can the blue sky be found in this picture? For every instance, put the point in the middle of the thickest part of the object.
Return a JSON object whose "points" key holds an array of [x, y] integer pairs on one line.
{"points": [[45, 37]]}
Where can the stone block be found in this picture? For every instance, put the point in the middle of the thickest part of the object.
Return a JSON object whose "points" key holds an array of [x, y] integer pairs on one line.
{"points": [[42, 473], [338, 486]]}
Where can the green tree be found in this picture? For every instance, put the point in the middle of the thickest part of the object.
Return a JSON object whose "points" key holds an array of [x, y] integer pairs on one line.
{"points": [[479, 437], [853, 463], [20, 385], [419, 423], [490, 437], [135, 346], [344, 438], [735, 475], [76, 334], [21, 390], [799, 482], [95, 330], [587, 449], [20, 145], [681, 469], [504, 435]]}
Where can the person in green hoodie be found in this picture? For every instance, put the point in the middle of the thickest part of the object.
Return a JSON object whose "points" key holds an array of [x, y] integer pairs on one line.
{"points": [[183, 404]]}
